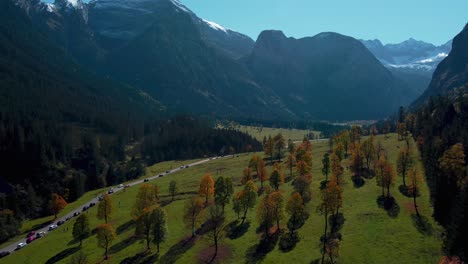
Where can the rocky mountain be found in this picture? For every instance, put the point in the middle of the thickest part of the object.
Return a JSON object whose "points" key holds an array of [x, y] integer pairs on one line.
{"points": [[327, 76], [171, 61], [451, 76], [116, 21], [193, 65], [411, 61], [411, 55], [39, 77]]}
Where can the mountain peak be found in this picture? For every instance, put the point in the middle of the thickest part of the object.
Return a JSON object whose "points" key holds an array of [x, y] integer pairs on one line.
{"points": [[271, 35]]}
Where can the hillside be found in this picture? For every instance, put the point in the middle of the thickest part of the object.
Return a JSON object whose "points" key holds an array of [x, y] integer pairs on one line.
{"points": [[368, 232], [451, 76], [323, 77]]}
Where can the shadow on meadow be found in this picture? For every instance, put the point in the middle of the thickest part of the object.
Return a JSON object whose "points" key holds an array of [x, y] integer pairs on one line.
{"points": [[422, 224], [122, 244], [256, 253], [141, 258], [389, 204], [63, 254], [125, 226], [358, 181], [177, 250], [236, 229]]}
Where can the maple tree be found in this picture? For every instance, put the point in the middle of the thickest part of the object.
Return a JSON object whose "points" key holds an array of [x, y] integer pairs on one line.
{"points": [[206, 189], [57, 204]]}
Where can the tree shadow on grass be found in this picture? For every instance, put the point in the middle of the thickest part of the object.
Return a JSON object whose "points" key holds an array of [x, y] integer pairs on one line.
{"points": [[323, 184], [122, 244], [63, 254], [235, 229], [336, 222], [177, 250], [124, 227], [256, 253], [389, 204], [288, 241], [141, 258], [406, 191], [422, 224], [358, 181]]}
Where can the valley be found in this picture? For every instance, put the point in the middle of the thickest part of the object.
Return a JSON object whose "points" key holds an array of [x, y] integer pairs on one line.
{"points": [[367, 228]]}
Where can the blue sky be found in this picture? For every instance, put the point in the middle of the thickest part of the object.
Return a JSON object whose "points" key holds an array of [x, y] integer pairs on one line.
{"points": [[391, 21]]}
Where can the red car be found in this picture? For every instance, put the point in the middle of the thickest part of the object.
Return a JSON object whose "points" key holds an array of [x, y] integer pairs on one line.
{"points": [[30, 239], [30, 234]]}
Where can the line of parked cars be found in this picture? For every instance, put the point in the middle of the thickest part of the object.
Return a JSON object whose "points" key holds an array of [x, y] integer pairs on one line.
{"points": [[33, 235]]}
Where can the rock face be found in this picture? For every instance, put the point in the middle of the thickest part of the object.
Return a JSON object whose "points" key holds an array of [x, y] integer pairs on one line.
{"points": [[193, 65], [451, 76], [327, 76]]}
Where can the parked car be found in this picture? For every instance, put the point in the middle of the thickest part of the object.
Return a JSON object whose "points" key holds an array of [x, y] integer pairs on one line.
{"points": [[182, 166], [146, 180], [168, 171], [59, 223], [127, 185], [4, 254], [100, 198], [84, 208], [30, 239], [21, 245], [186, 166], [76, 213], [30, 234], [91, 204], [68, 218], [52, 227], [111, 191], [120, 185], [40, 234], [161, 175]]}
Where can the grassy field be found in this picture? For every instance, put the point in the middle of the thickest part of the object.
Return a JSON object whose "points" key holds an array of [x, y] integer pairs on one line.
{"points": [[260, 132], [370, 234]]}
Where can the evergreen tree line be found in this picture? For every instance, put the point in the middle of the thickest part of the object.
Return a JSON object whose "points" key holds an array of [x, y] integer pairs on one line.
{"points": [[441, 130], [41, 156]]}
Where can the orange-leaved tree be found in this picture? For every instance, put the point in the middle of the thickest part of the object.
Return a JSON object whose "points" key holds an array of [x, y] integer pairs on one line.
{"points": [[142, 211], [56, 204], [105, 235], [206, 189], [105, 208]]}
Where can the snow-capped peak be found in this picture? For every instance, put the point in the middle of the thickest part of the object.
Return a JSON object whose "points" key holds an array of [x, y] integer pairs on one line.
{"points": [[50, 7], [215, 26], [77, 4], [438, 57], [181, 6]]}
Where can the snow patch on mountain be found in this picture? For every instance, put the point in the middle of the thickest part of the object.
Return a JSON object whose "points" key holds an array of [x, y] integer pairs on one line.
{"points": [[215, 26], [50, 7], [180, 6], [438, 57]]}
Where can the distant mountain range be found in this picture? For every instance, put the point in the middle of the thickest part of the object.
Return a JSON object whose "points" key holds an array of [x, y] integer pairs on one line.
{"points": [[189, 64], [410, 54]]}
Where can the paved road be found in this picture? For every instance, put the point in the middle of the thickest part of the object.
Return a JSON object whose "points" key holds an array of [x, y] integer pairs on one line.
{"points": [[11, 248]]}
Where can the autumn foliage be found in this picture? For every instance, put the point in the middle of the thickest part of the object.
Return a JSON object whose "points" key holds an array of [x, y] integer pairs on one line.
{"points": [[56, 204], [206, 189]]}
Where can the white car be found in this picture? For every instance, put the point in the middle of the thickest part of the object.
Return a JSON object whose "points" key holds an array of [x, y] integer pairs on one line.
{"points": [[121, 186], [52, 227], [21, 245]]}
